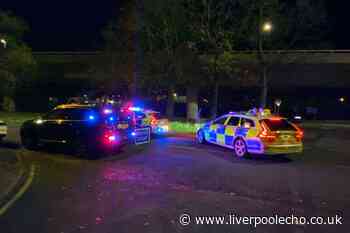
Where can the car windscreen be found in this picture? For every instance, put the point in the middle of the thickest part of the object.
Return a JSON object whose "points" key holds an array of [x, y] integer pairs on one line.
{"points": [[81, 114], [156, 115], [279, 125]]}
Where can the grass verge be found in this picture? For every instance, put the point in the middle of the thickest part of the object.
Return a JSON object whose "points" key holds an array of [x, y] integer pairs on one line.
{"points": [[184, 127], [17, 118]]}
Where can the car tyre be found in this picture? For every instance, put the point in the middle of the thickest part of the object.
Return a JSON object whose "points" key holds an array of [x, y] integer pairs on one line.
{"points": [[240, 148], [201, 137], [81, 149]]}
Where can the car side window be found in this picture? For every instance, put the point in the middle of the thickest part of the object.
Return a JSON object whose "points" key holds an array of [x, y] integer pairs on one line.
{"points": [[246, 122], [54, 115], [220, 121], [77, 114], [234, 121]]}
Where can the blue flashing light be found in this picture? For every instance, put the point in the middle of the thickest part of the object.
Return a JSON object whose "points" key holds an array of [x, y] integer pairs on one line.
{"points": [[91, 117], [111, 118], [135, 109], [162, 129], [107, 111], [133, 134]]}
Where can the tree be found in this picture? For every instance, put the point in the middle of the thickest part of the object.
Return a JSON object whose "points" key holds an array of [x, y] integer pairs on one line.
{"points": [[215, 40], [298, 24], [165, 39], [118, 63], [17, 64]]}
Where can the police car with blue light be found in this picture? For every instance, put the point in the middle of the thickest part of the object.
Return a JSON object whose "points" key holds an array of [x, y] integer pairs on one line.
{"points": [[254, 132], [85, 129], [140, 117]]}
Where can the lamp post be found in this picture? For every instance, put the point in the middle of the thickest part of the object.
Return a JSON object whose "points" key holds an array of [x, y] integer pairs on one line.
{"points": [[278, 103], [3, 42], [264, 28]]}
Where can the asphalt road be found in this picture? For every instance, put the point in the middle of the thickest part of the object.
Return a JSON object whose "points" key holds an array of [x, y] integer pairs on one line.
{"points": [[147, 188]]}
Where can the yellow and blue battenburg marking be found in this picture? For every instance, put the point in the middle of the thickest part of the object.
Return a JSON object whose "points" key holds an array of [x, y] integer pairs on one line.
{"points": [[225, 135]]}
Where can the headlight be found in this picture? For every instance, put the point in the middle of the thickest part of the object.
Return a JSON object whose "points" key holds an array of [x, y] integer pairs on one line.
{"points": [[39, 121]]}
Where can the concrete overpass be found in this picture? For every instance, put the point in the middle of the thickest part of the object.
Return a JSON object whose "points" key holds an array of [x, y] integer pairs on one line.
{"points": [[315, 68], [298, 56]]}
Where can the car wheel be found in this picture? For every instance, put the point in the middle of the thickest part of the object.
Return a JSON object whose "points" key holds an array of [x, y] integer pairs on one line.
{"points": [[201, 137], [30, 142], [81, 149], [240, 148]]}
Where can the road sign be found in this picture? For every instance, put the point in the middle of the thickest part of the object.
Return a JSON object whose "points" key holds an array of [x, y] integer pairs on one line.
{"points": [[142, 135]]}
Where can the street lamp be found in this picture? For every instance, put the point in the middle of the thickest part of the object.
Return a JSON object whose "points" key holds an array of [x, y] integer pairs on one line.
{"points": [[264, 28], [267, 27], [3, 42], [278, 103]]}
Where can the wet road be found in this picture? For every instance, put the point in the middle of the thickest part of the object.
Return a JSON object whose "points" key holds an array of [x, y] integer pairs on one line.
{"points": [[147, 188]]}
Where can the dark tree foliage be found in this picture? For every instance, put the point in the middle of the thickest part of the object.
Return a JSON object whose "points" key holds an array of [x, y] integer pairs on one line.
{"points": [[17, 65], [297, 24]]}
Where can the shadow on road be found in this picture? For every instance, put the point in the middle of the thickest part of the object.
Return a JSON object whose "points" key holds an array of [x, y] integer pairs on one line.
{"points": [[10, 145], [270, 158], [228, 154], [65, 153]]}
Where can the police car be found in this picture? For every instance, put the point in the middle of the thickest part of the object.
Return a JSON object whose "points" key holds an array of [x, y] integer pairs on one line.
{"points": [[159, 125], [147, 118], [3, 130], [253, 132], [85, 129]]}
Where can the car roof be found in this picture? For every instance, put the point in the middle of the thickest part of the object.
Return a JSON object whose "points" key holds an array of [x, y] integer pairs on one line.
{"points": [[242, 115], [253, 117], [74, 106]]}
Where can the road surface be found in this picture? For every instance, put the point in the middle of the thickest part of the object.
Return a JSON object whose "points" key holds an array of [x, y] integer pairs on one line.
{"points": [[148, 188]]}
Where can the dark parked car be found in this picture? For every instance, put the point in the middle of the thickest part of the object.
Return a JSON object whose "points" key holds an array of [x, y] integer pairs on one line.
{"points": [[84, 129]]}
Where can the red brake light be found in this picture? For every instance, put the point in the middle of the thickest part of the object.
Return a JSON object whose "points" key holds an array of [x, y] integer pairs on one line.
{"points": [[299, 135], [110, 138], [266, 134], [153, 120], [275, 119]]}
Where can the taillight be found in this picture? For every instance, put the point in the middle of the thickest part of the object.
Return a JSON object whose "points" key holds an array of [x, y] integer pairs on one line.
{"points": [[110, 137], [154, 121], [266, 134], [299, 134]]}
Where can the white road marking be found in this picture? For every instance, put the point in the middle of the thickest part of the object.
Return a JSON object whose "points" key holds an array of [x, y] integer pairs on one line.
{"points": [[20, 192]]}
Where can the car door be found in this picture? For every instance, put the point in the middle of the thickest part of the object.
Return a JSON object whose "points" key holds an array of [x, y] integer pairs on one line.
{"points": [[247, 128], [230, 129], [217, 131], [50, 130], [75, 124]]}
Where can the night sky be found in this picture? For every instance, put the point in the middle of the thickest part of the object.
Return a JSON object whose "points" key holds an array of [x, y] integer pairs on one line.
{"points": [[65, 24], [76, 25]]}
